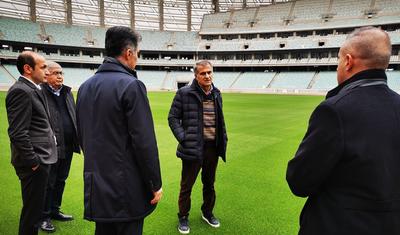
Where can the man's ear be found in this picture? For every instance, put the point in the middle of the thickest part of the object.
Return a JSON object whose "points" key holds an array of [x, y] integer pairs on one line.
{"points": [[127, 53], [28, 69], [349, 62]]}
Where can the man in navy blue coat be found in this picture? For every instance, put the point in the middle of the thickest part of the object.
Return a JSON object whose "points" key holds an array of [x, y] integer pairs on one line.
{"points": [[122, 178], [348, 162]]}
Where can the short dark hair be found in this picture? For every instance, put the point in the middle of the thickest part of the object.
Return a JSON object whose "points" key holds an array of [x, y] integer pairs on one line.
{"points": [[23, 59], [120, 37]]}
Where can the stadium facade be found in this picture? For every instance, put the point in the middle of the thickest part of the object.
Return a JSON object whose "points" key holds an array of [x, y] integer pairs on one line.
{"points": [[285, 47]]}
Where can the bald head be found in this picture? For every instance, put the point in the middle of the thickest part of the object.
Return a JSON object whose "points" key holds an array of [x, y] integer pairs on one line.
{"points": [[365, 48], [371, 46]]}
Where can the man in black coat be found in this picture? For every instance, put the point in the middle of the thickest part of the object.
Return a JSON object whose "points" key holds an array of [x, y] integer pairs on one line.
{"points": [[348, 162], [197, 122], [115, 127], [33, 143], [63, 118]]}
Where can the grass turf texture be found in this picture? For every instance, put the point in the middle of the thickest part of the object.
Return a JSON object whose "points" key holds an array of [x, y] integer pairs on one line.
{"points": [[264, 132]]}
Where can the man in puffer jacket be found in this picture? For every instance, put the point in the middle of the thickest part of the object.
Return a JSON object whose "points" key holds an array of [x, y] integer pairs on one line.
{"points": [[197, 121]]}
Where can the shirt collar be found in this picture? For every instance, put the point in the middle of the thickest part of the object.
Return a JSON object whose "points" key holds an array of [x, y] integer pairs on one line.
{"points": [[56, 91], [36, 85], [205, 92]]}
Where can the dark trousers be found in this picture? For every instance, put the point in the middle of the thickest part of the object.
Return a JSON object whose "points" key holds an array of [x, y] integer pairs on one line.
{"points": [[33, 187], [120, 228], [190, 170], [58, 175]]}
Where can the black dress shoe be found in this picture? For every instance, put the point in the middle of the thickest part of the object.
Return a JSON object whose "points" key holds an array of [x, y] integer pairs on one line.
{"points": [[61, 216], [47, 226]]}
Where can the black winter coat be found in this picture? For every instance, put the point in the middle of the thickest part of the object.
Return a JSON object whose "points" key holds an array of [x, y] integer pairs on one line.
{"points": [[348, 162], [116, 133], [56, 119], [186, 122]]}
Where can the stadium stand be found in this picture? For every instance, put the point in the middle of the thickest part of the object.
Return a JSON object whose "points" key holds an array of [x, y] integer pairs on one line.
{"points": [[224, 80], [74, 77], [394, 80], [284, 39], [12, 70], [346, 8], [390, 6], [16, 30], [6, 79], [308, 10], [152, 79], [292, 80], [254, 80], [325, 80], [175, 77]]}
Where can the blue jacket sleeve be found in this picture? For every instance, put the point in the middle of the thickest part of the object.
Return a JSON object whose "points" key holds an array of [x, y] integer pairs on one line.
{"points": [[141, 131]]}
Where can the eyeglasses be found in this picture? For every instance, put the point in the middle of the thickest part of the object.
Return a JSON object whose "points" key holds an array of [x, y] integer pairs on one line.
{"points": [[56, 73]]}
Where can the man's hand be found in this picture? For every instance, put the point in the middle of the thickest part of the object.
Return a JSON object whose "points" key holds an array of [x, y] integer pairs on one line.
{"points": [[35, 167], [157, 196]]}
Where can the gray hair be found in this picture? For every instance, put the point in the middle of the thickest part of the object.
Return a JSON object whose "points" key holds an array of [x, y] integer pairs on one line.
{"points": [[370, 44], [201, 63], [51, 64]]}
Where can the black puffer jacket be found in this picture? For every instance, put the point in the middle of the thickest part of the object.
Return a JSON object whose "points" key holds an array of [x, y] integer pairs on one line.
{"points": [[186, 122]]}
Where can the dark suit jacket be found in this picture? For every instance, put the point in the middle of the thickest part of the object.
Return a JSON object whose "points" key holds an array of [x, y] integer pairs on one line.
{"points": [[56, 119], [348, 162], [31, 135], [116, 132]]}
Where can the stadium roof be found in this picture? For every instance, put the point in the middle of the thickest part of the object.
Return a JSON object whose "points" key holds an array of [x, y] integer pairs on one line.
{"points": [[117, 12]]}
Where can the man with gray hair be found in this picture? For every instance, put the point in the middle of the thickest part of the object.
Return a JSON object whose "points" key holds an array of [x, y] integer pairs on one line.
{"points": [[62, 115], [348, 162], [197, 121]]}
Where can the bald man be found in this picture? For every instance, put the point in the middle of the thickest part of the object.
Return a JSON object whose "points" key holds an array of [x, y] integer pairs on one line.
{"points": [[62, 111], [348, 164], [33, 143]]}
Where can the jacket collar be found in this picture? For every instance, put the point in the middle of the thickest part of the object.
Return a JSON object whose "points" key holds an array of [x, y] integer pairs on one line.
{"points": [[38, 91], [111, 64], [28, 82], [360, 77]]}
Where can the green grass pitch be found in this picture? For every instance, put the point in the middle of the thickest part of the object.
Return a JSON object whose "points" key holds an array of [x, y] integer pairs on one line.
{"points": [[264, 132]]}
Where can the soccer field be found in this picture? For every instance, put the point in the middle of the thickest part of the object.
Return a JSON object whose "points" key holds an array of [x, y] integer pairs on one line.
{"points": [[264, 132]]}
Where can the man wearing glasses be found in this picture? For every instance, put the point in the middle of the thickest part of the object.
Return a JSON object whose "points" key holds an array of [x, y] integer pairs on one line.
{"points": [[197, 122], [62, 115]]}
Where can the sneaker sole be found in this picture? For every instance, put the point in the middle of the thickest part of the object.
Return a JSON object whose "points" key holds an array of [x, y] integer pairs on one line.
{"points": [[48, 231], [212, 225], [184, 232]]}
